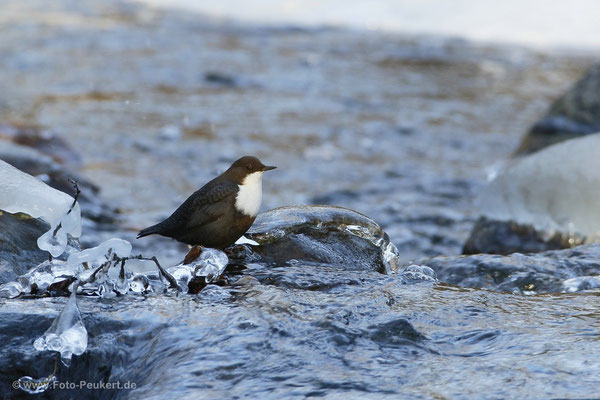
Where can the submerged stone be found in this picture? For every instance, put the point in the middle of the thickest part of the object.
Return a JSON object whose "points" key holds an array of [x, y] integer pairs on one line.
{"points": [[506, 237], [547, 272], [324, 234]]}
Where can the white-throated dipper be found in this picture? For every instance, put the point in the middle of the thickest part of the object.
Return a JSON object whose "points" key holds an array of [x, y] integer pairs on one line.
{"points": [[221, 211]]}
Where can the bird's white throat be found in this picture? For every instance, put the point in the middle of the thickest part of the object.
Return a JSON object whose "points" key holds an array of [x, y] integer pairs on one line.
{"points": [[249, 196]]}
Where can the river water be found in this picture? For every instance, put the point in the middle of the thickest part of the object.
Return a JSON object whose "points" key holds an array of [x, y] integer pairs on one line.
{"points": [[402, 128]]}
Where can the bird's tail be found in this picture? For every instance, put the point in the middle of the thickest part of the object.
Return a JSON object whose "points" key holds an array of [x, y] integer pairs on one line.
{"points": [[151, 230]]}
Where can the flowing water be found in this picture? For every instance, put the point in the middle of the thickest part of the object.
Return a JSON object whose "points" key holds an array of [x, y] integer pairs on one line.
{"points": [[404, 129]]}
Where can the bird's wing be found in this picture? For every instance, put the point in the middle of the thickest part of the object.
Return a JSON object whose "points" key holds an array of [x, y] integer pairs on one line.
{"points": [[211, 203], [204, 206]]}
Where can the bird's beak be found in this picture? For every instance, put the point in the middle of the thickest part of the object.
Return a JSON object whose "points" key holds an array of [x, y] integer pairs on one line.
{"points": [[268, 167]]}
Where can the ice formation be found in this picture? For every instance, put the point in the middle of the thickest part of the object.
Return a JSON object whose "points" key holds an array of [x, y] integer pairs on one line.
{"points": [[46, 274], [55, 240], [210, 264], [21, 192], [557, 188], [414, 273], [245, 240], [103, 283], [139, 284], [67, 334], [35, 386], [96, 256]]}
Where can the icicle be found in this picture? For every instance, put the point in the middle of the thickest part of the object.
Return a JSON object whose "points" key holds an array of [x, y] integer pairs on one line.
{"points": [[67, 334]]}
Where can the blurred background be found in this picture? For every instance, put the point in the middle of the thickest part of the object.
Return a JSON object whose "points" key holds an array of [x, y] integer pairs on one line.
{"points": [[566, 24]]}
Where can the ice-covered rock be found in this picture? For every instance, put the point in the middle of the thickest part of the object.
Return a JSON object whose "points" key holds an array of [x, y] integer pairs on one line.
{"points": [[18, 245], [67, 334], [326, 234], [21, 192], [555, 191]]}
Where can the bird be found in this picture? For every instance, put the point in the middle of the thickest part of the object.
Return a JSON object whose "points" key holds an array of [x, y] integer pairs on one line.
{"points": [[220, 212]]}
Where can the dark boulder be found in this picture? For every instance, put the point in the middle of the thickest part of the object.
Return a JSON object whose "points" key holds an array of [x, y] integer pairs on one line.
{"points": [[575, 113], [323, 234], [552, 271], [506, 237]]}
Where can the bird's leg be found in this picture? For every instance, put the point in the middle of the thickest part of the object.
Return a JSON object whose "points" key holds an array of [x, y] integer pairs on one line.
{"points": [[193, 254]]}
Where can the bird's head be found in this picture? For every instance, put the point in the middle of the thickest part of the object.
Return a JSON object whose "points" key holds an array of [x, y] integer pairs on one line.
{"points": [[247, 168]]}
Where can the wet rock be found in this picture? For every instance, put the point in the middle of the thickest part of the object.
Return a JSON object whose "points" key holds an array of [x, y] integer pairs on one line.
{"points": [[323, 234], [18, 244], [506, 237], [310, 276], [547, 272], [574, 114], [396, 333], [537, 203], [19, 251]]}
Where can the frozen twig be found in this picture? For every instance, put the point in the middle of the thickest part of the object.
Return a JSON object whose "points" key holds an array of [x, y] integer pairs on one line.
{"points": [[172, 281]]}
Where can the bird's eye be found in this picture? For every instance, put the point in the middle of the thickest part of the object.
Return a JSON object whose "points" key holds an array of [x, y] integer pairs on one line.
{"points": [[249, 167]]}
